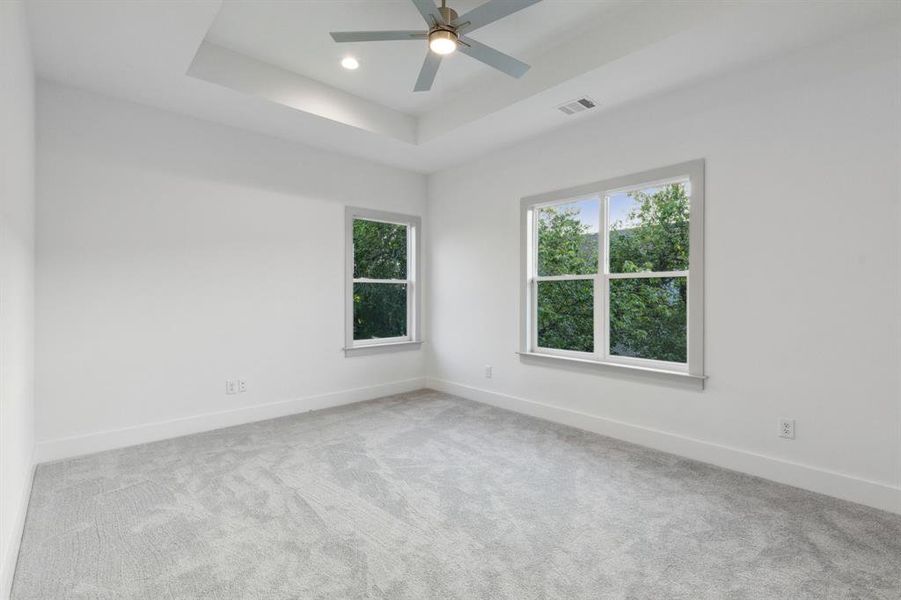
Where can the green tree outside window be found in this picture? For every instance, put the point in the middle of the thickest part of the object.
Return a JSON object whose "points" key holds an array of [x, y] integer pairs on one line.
{"points": [[380, 252], [648, 316]]}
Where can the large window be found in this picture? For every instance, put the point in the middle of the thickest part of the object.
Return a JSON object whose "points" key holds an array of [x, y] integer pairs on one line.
{"points": [[382, 305], [613, 272]]}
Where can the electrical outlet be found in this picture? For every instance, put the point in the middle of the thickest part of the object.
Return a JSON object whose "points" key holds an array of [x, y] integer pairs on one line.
{"points": [[787, 428], [488, 371], [242, 386], [231, 387]]}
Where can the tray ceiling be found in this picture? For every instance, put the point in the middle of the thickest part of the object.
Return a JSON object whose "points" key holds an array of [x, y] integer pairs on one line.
{"points": [[271, 66]]}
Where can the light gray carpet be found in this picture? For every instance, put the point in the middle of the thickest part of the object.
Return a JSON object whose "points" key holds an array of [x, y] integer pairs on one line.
{"points": [[427, 496]]}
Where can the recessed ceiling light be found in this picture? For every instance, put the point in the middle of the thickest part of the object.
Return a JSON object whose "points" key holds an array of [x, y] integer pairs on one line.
{"points": [[350, 63]]}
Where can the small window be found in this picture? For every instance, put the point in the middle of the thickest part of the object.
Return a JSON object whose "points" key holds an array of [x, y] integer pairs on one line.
{"points": [[613, 272], [382, 280]]}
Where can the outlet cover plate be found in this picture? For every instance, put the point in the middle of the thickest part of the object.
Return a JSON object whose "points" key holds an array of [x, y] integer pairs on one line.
{"points": [[787, 428]]}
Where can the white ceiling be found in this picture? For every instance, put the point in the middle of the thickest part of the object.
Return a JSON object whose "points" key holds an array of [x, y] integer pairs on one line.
{"points": [[295, 36], [271, 67]]}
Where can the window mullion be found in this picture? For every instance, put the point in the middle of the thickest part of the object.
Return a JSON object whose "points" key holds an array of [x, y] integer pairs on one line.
{"points": [[533, 292], [648, 275], [411, 309], [370, 280], [564, 277], [533, 317], [602, 287]]}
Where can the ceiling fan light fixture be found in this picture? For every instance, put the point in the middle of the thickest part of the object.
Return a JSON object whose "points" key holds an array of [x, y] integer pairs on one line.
{"points": [[446, 31], [442, 41]]}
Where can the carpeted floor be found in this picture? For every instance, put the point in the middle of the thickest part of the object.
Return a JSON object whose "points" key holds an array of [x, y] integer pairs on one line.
{"points": [[427, 496]]}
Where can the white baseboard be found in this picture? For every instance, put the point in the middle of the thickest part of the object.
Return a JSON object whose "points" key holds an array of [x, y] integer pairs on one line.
{"points": [[50, 450], [831, 483], [8, 568], [846, 487]]}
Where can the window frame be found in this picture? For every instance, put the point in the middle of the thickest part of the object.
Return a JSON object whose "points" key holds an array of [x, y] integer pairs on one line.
{"points": [[413, 338], [693, 368]]}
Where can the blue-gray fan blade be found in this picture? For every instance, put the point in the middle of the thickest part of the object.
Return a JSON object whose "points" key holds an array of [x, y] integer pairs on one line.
{"points": [[489, 12], [428, 71], [377, 36], [429, 12], [493, 58]]}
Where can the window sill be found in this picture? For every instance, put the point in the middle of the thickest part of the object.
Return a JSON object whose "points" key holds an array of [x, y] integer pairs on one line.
{"points": [[382, 348], [631, 371]]}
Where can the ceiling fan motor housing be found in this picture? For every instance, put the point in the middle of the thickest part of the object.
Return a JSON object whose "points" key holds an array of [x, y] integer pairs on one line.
{"points": [[448, 15], [444, 31]]}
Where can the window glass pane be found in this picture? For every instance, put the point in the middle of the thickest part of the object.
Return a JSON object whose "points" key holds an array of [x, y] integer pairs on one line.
{"points": [[380, 250], [380, 310], [568, 238], [566, 315], [648, 318], [649, 229]]}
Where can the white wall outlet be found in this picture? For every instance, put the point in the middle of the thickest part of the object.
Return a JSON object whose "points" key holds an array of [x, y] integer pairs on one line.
{"points": [[787, 428], [231, 387], [242, 386], [488, 371]]}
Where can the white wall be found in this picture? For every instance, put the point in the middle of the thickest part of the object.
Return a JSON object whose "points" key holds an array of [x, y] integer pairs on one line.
{"points": [[174, 254], [16, 281], [802, 275]]}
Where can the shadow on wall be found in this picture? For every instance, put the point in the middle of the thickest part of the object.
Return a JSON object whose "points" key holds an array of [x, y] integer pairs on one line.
{"points": [[149, 138]]}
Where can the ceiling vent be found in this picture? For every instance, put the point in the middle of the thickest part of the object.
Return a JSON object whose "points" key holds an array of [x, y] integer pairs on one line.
{"points": [[576, 106]]}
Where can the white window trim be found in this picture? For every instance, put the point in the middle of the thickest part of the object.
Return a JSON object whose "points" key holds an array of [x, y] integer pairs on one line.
{"points": [[413, 339], [693, 370]]}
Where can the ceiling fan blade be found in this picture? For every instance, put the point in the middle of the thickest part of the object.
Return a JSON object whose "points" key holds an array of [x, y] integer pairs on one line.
{"points": [[378, 36], [429, 12], [428, 72], [490, 12], [493, 58]]}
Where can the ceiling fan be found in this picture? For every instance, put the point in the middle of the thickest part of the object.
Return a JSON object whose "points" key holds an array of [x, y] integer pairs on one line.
{"points": [[447, 32]]}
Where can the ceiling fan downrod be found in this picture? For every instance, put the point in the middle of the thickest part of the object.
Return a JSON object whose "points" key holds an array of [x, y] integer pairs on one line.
{"points": [[448, 15]]}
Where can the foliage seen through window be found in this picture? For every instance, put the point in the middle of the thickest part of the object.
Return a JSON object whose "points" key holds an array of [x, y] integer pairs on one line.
{"points": [[380, 253], [648, 315]]}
